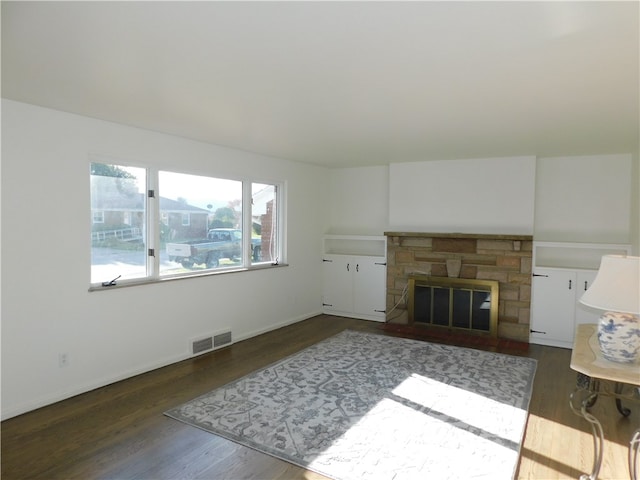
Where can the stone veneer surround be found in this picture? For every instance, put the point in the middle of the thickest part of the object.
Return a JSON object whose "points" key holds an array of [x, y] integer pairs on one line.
{"points": [[505, 258]]}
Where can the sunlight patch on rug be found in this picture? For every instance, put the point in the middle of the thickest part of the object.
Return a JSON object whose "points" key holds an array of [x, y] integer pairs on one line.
{"points": [[487, 415], [361, 405]]}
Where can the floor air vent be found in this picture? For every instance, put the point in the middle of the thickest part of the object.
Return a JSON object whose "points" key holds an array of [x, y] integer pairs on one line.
{"points": [[202, 345], [210, 342], [222, 339]]}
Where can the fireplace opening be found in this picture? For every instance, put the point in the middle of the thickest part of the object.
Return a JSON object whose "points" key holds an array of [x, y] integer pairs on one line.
{"points": [[454, 303]]}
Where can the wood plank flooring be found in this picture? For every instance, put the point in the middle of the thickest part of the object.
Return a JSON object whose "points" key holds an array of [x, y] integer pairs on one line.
{"points": [[119, 431]]}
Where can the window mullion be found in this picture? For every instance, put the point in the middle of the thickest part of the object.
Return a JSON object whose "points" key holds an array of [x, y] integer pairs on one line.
{"points": [[247, 224], [279, 213], [153, 219]]}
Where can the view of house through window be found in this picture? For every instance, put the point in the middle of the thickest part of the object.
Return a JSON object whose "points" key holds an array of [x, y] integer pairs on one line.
{"points": [[118, 210], [198, 224]]}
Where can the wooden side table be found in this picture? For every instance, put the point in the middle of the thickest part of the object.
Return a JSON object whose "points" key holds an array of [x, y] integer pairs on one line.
{"points": [[597, 376]]}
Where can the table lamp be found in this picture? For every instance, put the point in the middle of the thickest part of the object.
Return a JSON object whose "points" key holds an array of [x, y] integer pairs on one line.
{"points": [[616, 290]]}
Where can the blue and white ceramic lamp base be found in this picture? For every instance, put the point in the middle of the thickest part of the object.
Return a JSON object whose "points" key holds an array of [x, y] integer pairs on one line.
{"points": [[619, 337]]}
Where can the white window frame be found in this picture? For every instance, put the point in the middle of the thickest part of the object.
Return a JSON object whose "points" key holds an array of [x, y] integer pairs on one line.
{"points": [[152, 222]]}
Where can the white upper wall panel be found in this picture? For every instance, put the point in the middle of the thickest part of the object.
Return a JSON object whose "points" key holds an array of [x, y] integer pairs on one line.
{"points": [[494, 195], [584, 199]]}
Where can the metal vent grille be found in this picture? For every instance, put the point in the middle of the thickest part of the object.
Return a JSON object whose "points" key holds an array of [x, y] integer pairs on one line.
{"points": [[211, 342], [202, 345], [221, 339]]}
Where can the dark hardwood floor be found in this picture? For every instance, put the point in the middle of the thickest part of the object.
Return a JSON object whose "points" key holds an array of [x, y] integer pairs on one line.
{"points": [[120, 432]]}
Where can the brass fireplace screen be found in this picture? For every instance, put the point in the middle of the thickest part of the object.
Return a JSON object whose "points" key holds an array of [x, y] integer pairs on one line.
{"points": [[454, 303]]}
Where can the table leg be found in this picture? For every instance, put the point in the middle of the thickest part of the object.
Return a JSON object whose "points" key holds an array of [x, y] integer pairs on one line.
{"points": [[634, 455], [624, 411], [596, 430]]}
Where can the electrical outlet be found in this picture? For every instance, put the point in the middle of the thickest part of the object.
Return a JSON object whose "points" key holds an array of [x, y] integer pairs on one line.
{"points": [[63, 360]]}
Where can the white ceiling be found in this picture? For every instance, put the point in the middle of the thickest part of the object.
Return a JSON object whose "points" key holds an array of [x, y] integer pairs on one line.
{"points": [[340, 83]]}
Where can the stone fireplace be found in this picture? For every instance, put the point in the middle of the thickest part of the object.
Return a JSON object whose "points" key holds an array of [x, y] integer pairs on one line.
{"points": [[503, 259]]}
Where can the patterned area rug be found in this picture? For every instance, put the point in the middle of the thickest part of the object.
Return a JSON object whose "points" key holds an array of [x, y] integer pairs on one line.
{"points": [[361, 405]]}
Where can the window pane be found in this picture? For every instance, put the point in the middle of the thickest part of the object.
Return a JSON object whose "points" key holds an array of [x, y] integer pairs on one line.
{"points": [[118, 226], [200, 223], [264, 231]]}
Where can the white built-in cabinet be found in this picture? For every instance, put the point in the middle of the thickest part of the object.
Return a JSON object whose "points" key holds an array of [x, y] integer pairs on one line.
{"points": [[354, 276], [562, 272]]}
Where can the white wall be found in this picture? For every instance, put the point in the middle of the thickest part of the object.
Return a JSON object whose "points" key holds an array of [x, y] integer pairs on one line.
{"points": [[578, 198], [494, 195], [584, 199], [635, 203], [109, 335], [359, 200]]}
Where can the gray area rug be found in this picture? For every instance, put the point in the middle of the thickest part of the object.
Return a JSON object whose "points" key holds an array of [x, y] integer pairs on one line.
{"points": [[361, 405]]}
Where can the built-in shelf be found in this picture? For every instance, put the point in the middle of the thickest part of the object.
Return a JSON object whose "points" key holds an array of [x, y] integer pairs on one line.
{"points": [[355, 245], [476, 236], [575, 255], [354, 276]]}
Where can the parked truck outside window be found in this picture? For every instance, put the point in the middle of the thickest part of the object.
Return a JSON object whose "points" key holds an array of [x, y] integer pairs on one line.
{"points": [[220, 243]]}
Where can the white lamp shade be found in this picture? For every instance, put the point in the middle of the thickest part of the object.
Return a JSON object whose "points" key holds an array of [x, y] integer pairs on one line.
{"points": [[617, 285]]}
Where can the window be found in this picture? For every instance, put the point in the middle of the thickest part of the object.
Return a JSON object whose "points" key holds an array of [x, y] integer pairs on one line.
{"points": [[150, 224], [265, 227], [114, 250], [214, 206]]}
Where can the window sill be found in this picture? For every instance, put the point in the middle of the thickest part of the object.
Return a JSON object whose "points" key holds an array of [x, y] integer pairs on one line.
{"points": [[149, 281]]}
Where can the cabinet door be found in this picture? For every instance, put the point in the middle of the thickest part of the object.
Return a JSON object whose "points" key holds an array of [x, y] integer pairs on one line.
{"points": [[553, 307], [585, 314], [370, 286], [338, 283]]}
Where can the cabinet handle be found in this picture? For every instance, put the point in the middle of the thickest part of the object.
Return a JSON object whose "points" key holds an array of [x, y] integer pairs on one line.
{"points": [[540, 275], [347, 267], [380, 263], [569, 284], [537, 331], [325, 260], [585, 285], [357, 267]]}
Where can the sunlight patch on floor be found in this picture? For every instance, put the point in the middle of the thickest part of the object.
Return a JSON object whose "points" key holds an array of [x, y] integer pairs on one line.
{"points": [[546, 453]]}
